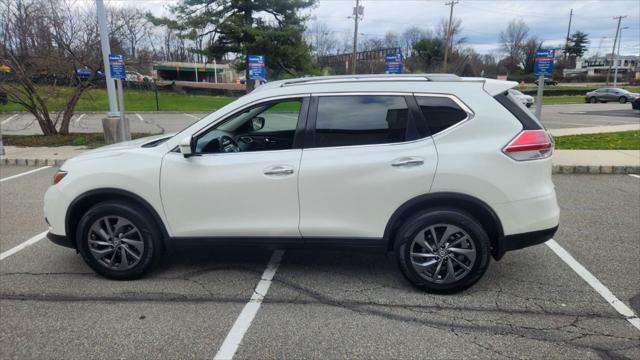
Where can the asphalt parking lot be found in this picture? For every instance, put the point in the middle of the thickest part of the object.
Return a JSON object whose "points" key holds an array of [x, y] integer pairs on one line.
{"points": [[554, 117], [325, 304]]}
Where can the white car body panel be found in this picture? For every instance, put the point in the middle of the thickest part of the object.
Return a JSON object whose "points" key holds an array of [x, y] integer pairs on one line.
{"points": [[352, 191]]}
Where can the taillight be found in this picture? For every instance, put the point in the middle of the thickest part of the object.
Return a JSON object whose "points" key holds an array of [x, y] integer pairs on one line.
{"points": [[530, 145]]}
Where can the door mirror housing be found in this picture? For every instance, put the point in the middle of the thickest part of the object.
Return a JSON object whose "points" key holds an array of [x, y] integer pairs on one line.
{"points": [[257, 123], [186, 146]]}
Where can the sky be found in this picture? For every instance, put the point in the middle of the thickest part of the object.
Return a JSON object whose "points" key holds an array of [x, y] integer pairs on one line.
{"points": [[482, 20]]}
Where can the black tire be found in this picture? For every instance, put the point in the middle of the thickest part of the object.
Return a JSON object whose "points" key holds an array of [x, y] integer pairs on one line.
{"points": [[622, 100], [421, 221], [593, 100], [150, 236]]}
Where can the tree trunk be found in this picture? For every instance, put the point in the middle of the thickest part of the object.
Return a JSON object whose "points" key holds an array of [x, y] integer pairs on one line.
{"points": [[69, 108]]}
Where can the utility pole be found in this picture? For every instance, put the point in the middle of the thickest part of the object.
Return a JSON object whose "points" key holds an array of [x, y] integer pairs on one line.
{"points": [[357, 11], [615, 42], [566, 44], [446, 45], [106, 50], [615, 76]]}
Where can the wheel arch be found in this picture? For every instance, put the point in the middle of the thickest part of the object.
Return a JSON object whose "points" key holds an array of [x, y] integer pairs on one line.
{"points": [[79, 206], [474, 206]]}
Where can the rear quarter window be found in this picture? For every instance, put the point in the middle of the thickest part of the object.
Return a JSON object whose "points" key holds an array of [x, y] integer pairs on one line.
{"points": [[440, 112], [519, 111]]}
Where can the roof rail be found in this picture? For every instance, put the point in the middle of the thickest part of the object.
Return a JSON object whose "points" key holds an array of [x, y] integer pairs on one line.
{"points": [[370, 77]]}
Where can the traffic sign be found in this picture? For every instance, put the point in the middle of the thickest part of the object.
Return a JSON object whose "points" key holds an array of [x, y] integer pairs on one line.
{"points": [[116, 65], [543, 64], [393, 63], [256, 67]]}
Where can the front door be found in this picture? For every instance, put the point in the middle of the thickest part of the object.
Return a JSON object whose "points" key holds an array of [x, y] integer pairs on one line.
{"points": [[243, 178]]}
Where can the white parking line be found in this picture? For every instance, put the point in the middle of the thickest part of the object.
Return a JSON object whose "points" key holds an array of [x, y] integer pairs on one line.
{"points": [[76, 121], [24, 173], [635, 176], [9, 119], [618, 305], [25, 244], [240, 327], [193, 116], [140, 118]]}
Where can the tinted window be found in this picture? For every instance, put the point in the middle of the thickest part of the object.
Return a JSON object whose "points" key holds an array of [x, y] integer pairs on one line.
{"points": [[440, 112], [362, 120]]}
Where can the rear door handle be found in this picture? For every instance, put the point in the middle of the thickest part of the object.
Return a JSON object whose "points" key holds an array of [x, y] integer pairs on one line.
{"points": [[279, 170], [407, 162]]}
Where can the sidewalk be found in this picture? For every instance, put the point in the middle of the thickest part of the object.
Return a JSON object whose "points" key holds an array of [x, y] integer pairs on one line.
{"points": [[594, 129], [564, 161]]}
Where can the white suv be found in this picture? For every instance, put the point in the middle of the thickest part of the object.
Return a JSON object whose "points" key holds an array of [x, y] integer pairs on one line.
{"points": [[444, 171]]}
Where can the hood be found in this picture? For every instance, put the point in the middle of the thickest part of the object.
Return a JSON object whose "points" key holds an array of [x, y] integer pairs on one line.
{"points": [[117, 149]]}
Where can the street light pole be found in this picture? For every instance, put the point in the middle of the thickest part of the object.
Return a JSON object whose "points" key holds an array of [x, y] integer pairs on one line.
{"points": [[615, 76], [106, 50], [613, 51]]}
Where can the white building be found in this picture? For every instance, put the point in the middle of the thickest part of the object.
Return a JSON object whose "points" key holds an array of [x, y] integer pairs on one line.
{"points": [[595, 66]]}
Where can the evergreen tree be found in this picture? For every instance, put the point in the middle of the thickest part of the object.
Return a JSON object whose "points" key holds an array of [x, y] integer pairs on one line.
{"points": [[577, 45], [272, 28]]}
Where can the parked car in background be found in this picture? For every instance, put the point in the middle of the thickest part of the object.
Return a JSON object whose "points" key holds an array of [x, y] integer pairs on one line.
{"points": [[547, 81], [374, 161], [635, 104], [135, 76], [526, 100], [609, 94]]}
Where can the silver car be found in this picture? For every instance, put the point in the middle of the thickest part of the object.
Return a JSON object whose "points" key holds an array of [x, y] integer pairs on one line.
{"points": [[609, 94]]}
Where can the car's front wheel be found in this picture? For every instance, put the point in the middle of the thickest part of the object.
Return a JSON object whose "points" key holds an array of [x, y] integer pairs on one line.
{"points": [[442, 250], [118, 240], [593, 100]]}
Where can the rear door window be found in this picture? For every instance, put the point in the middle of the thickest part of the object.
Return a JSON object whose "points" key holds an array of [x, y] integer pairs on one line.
{"points": [[440, 112], [362, 120]]}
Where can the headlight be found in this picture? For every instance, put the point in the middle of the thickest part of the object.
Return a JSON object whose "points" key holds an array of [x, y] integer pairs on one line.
{"points": [[58, 176]]}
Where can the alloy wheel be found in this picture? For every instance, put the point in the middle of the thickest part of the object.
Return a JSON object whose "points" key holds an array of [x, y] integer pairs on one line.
{"points": [[442, 253], [116, 243]]}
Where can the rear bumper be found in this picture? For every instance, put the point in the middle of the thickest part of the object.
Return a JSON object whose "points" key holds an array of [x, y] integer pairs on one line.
{"points": [[60, 240], [521, 241]]}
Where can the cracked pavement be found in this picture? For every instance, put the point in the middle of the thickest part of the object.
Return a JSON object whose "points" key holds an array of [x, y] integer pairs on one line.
{"points": [[326, 304]]}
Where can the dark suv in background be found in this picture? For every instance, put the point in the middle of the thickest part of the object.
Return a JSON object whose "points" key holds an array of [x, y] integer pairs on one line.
{"points": [[609, 94]]}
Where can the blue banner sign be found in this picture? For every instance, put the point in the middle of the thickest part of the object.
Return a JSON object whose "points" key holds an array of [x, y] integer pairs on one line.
{"points": [[544, 62], [116, 65], [393, 63], [256, 67]]}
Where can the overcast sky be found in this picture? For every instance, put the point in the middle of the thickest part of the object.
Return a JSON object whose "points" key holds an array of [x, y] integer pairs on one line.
{"points": [[482, 20]]}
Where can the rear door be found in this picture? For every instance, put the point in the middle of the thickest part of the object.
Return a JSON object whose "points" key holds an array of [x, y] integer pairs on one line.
{"points": [[365, 155]]}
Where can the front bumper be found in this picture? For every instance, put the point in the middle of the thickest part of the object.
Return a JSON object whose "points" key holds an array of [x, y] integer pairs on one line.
{"points": [[60, 240], [521, 241]]}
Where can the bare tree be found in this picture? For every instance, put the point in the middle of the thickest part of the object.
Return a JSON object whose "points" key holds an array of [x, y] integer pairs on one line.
{"points": [[412, 35], [513, 40], [392, 40], [321, 38], [49, 42]]}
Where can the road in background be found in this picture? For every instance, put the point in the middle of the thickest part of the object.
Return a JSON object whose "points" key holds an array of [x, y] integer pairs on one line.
{"points": [[330, 304], [553, 117]]}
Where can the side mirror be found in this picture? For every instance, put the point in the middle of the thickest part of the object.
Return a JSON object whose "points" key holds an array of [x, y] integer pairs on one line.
{"points": [[257, 123], [186, 146]]}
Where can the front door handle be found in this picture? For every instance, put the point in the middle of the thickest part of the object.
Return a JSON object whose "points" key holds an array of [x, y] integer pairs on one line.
{"points": [[278, 170], [407, 162]]}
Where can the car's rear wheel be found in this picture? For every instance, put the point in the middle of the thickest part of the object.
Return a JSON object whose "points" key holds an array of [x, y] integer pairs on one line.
{"points": [[442, 250], [622, 100], [593, 100], [118, 241]]}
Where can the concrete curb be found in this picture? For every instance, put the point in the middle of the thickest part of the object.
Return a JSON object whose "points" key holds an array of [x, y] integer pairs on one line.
{"points": [[557, 169]]}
